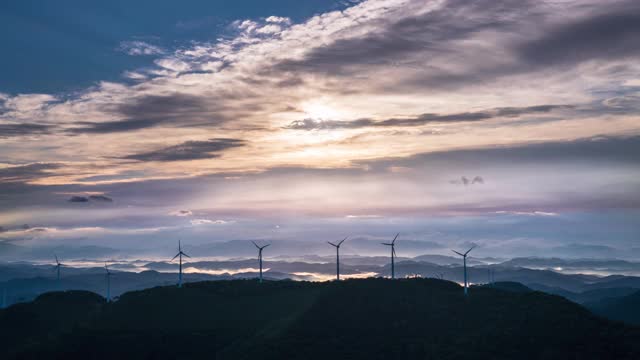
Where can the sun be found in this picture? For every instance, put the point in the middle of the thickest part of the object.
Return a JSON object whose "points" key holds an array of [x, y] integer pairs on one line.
{"points": [[318, 110]]}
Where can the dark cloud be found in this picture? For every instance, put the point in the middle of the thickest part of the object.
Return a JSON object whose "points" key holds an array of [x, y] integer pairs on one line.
{"points": [[424, 42], [594, 150], [182, 213], [394, 42], [174, 110], [424, 119], [102, 198], [84, 199], [465, 181], [25, 173], [112, 126], [165, 107], [190, 150], [612, 35], [24, 129], [311, 124]]}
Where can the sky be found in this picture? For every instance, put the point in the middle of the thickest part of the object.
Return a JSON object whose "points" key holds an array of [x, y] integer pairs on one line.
{"points": [[511, 125]]}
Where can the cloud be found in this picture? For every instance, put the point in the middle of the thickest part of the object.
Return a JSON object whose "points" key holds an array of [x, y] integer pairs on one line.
{"points": [[197, 222], [278, 20], [148, 111], [24, 129], [107, 127], [269, 29], [424, 119], [190, 150], [608, 34], [465, 181], [138, 48], [365, 216], [527, 213], [85, 199], [100, 198], [454, 45], [429, 29], [26, 173], [134, 75], [181, 213]]}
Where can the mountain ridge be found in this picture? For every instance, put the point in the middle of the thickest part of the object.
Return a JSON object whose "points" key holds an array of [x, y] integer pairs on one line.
{"points": [[358, 319]]}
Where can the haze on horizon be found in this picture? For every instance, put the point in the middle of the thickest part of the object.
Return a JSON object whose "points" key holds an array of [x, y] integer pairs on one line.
{"points": [[513, 125]]}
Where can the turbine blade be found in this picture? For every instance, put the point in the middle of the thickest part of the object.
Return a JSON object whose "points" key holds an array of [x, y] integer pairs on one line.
{"points": [[266, 246], [386, 244], [394, 251], [332, 244], [468, 251], [57, 262], [394, 239], [340, 243], [457, 253], [256, 245], [183, 254], [178, 254]]}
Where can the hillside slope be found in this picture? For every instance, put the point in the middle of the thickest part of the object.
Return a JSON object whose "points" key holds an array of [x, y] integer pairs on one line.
{"points": [[355, 319], [623, 308]]}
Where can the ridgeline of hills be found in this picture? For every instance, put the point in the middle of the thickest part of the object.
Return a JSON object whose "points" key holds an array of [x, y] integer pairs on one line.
{"points": [[352, 319], [20, 282]]}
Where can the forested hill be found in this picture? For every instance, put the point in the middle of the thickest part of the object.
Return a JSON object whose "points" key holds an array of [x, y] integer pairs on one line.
{"points": [[353, 319]]}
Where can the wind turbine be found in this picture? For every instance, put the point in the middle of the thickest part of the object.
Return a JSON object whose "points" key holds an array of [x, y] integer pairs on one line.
{"points": [[108, 275], [58, 265], [260, 248], [180, 254], [393, 255], [337, 246], [464, 261]]}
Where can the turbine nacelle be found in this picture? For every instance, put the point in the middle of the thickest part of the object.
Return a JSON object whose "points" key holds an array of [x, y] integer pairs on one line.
{"points": [[338, 244], [466, 253], [58, 263], [258, 246], [180, 252]]}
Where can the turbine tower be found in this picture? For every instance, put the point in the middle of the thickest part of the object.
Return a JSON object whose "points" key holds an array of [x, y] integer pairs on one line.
{"points": [[464, 261], [337, 246], [180, 254], [260, 248], [108, 276], [393, 255]]}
